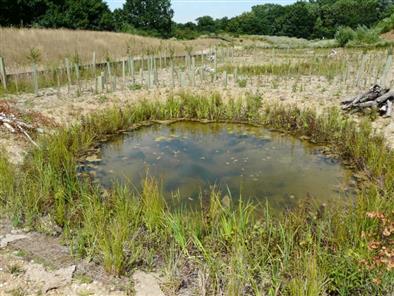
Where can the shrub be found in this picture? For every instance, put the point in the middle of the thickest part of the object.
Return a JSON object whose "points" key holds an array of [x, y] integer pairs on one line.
{"points": [[344, 35], [385, 25], [366, 36]]}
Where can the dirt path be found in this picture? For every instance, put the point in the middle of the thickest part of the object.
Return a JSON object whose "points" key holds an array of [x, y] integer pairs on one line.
{"points": [[36, 264]]}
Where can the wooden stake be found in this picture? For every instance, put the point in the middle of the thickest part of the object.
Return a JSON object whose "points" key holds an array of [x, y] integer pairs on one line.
{"points": [[193, 71], [155, 73], [3, 74], [149, 73], [114, 83], [35, 79], [58, 82], [100, 84], [131, 69], [78, 79], [384, 79], [94, 64], [172, 73], [68, 75], [124, 73]]}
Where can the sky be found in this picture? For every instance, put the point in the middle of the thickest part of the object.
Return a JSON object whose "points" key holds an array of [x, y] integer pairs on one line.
{"points": [[189, 10]]}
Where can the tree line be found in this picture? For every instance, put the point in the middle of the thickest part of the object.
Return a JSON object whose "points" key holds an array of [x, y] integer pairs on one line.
{"points": [[304, 19]]}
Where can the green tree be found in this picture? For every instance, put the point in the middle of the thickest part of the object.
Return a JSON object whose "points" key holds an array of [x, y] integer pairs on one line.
{"points": [[268, 18], [206, 24], [21, 12], [298, 21], [81, 14], [149, 15]]}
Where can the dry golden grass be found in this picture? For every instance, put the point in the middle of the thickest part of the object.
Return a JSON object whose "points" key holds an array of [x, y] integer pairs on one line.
{"points": [[55, 45]]}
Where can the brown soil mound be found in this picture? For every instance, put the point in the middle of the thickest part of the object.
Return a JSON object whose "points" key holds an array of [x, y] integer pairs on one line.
{"points": [[389, 35]]}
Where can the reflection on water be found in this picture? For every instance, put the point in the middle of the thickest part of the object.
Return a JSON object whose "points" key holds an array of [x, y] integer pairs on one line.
{"points": [[250, 161]]}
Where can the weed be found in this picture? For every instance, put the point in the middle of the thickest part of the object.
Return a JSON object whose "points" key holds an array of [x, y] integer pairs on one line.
{"points": [[83, 278], [135, 86], [102, 99], [15, 269], [242, 83]]}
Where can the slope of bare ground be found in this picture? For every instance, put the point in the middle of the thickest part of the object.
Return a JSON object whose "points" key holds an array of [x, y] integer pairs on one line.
{"points": [[55, 45], [389, 35], [37, 264]]}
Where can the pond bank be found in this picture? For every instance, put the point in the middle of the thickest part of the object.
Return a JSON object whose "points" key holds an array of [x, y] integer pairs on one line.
{"points": [[126, 233]]}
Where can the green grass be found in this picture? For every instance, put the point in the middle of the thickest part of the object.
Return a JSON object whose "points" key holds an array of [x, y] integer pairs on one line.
{"points": [[234, 251]]}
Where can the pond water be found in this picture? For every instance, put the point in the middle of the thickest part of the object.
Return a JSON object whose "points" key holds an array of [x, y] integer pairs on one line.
{"points": [[241, 160]]}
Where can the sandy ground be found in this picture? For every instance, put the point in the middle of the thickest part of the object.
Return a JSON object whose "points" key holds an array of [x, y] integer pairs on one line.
{"points": [[37, 264]]}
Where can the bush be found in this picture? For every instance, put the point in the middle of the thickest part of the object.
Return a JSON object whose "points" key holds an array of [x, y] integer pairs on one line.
{"points": [[362, 36], [366, 36], [344, 35], [385, 25]]}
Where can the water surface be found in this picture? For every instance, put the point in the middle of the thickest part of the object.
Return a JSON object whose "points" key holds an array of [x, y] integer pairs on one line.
{"points": [[188, 158]]}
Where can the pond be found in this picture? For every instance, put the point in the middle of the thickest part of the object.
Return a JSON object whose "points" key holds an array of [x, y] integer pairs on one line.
{"points": [[189, 158]]}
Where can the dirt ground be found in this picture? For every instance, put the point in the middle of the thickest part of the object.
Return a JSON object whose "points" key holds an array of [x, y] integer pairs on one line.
{"points": [[38, 264], [389, 35]]}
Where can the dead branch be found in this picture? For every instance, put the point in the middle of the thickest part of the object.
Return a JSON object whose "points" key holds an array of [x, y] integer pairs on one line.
{"points": [[14, 125]]}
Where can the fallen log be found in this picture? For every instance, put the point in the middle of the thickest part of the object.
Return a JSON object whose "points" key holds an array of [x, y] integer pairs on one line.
{"points": [[375, 98], [384, 98], [373, 93]]}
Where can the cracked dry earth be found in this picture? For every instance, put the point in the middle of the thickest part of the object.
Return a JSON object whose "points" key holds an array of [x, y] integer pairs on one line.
{"points": [[37, 264]]}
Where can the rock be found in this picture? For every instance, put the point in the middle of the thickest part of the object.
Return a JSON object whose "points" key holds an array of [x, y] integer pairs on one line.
{"points": [[146, 284], [48, 225], [50, 280], [226, 201], [93, 158], [9, 238]]}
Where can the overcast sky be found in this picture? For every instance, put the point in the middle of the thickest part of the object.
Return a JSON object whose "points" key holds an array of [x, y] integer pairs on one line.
{"points": [[189, 10]]}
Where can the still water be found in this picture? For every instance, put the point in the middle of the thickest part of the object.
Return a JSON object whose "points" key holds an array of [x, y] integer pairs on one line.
{"points": [[240, 160]]}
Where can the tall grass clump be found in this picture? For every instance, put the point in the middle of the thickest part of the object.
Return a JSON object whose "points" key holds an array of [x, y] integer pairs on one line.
{"points": [[362, 36], [7, 174], [385, 25], [225, 248]]}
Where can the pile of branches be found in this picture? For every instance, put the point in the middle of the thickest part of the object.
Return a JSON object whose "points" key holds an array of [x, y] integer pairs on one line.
{"points": [[377, 98], [14, 125]]}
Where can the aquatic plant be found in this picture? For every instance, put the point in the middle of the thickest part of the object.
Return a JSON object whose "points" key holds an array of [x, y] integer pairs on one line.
{"points": [[304, 252]]}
